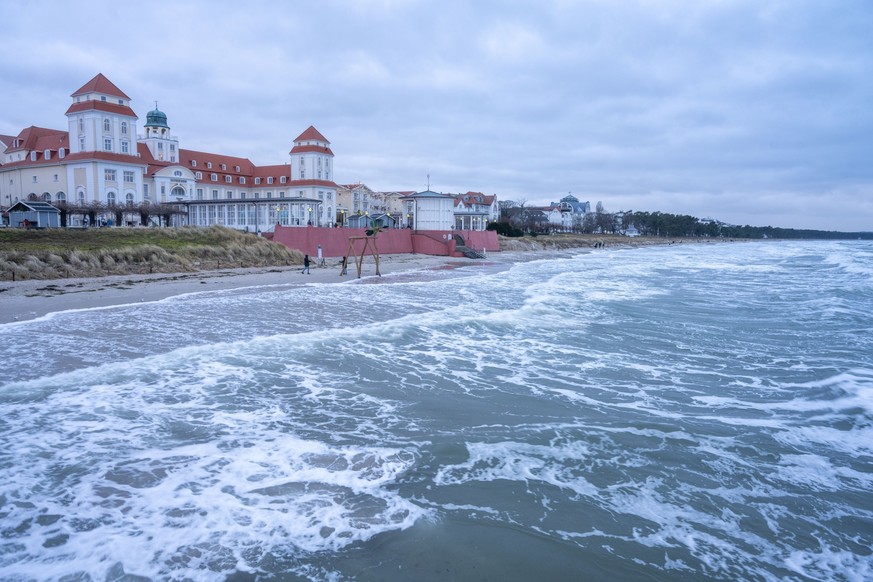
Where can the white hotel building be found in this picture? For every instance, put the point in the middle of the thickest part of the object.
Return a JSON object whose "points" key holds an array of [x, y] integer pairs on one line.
{"points": [[100, 161]]}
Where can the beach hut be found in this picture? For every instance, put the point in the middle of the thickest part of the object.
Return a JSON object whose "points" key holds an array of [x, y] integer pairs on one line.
{"points": [[34, 214]]}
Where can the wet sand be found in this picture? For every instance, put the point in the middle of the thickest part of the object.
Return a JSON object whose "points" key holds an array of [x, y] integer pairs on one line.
{"points": [[25, 300]]}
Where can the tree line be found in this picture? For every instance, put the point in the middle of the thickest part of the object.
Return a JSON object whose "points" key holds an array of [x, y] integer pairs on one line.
{"points": [[517, 219]]}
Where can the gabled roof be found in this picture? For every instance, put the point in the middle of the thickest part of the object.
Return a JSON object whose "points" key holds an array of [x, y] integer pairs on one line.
{"points": [[311, 134], [474, 198], [100, 84], [33, 206]]}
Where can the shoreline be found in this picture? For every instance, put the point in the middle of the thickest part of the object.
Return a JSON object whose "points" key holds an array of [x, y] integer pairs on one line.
{"points": [[34, 298]]}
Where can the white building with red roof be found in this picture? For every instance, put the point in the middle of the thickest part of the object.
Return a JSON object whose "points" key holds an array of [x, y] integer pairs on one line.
{"points": [[475, 210], [101, 167]]}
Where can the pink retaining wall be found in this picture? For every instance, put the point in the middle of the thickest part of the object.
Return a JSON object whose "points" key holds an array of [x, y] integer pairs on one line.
{"points": [[335, 241]]}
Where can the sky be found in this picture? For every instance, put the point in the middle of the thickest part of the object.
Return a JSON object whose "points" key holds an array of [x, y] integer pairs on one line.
{"points": [[746, 111]]}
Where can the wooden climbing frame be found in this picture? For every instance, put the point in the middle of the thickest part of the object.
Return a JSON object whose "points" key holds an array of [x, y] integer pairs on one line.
{"points": [[359, 259]]}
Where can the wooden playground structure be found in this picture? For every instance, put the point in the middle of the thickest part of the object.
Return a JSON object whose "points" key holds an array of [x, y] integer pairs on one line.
{"points": [[369, 241]]}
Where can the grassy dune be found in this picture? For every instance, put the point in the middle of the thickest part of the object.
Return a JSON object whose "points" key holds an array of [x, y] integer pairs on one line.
{"points": [[61, 253]]}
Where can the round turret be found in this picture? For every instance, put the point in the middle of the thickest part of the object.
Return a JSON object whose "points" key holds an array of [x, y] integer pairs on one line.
{"points": [[156, 118]]}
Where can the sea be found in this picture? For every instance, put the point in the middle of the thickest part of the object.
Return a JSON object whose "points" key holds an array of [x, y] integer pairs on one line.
{"points": [[676, 412]]}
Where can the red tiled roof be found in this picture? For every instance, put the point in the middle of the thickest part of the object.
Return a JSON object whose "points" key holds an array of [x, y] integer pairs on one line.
{"points": [[311, 134], [310, 148], [30, 137], [101, 106], [230, 162], [100, 84], [469, 199]]}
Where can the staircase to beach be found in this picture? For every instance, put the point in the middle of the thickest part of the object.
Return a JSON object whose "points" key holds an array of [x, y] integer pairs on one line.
{"points": [[469, 253]]}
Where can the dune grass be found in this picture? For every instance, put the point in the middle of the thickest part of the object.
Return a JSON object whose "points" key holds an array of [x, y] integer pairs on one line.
{"points": [[62, 253]]}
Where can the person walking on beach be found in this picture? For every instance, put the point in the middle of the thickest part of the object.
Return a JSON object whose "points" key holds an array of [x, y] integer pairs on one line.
{"points": [[305, 265]]}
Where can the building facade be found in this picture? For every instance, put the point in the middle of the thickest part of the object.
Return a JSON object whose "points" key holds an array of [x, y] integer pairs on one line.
{"points": [[101, 168]]}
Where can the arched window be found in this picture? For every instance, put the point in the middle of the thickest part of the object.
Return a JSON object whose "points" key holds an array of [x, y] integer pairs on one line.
{"points": [[110, 198], [46, 197], [106, 124], [80, 197], [61, 198], [129, 198], [124, 127]]}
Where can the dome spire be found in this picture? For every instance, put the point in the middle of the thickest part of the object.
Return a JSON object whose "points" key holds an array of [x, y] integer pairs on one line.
{"points": [[156, 118]]}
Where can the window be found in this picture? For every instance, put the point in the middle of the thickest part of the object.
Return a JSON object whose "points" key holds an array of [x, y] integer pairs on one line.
{"points": [[199, 193], [103, 98], [128, 199], [110, 198], [269, 194], [236, 168], [124, 128], [223, 167], [257, 181], [228, 179], [172, 147], [242, 180], [230, 194], [215, 194], [81, 197], [161, 145], [56, 178], [242, 195], [62, 198], [281, 194], [81, 124], [46, 154], [145, 191], [198, 175], [33, 156], [270, 180], [106, 125], [178, 173], [193, 163], [128, 176], [61, 153], [81, 144], [109, 175], [125, 147], [283, 179], [107, 144], [34, 179], [208, 165], [213, 177]]}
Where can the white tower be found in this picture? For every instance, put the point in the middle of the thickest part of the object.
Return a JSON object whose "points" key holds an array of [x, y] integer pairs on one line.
{"points": [[101, 120], [161, 143]]}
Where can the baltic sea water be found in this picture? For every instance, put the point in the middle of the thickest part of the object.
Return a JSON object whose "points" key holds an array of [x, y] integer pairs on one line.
{"points": [[681, 412]]}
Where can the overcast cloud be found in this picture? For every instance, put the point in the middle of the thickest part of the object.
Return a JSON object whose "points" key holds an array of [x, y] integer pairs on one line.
{"points": [[749, 111]]}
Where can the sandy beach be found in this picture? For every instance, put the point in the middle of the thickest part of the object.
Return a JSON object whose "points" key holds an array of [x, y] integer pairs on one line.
{"points": [[25, 300], [29, 299]]}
